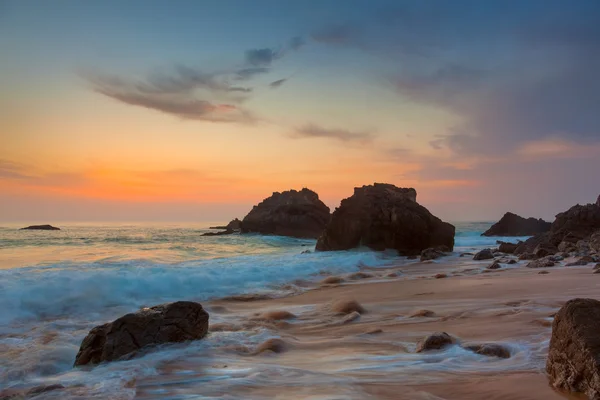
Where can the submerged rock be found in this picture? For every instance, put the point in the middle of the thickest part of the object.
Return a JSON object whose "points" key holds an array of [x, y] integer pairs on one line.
{"points": [[41, 228], [514, 225], [489, 349], [495, 265], [166, 323], [227, 232], [383, 216], [545, 262], [291, 213], [346, 306], [431, 254], [573, 362], [434, 341]]}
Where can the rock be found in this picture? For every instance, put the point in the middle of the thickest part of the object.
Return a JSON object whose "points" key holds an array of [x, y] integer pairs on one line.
{"points": [[598, 201], [291, 213], [541, 263], [360, 275], [332, 280], [495, 265], [41, 228], [44, 389], [166, 323], [566, 247], [595, 242], [373, 331], [277, 315], [353, 316], [274, 345], [573, 362], [596, 271], [383, 216], [440, 276], [423, 313], [596, 267], [431, 254], [544, 249], [527, 256], [466, 254], [346, 306], [489, 349], [306, 252], [581, 262], [434, 341], [543, 272], [513, 225], [485, 254], [234, 225], [227, 232], [512, 261], [507, 247]]}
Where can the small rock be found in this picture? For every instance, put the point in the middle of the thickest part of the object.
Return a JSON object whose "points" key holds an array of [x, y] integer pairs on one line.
{"points": [[495, 265], [596, 271], [431, 254], [434, 341], [512, 261], [422, 313], [597, 267], [527, 256], [543, 272], [277, 315], [274, 345], [466, 254], [346, 306], [332, 280], [353, 316], [489, 349], [374, 331], [485, 254], [360, 275], [541, 263], [440, 276]]}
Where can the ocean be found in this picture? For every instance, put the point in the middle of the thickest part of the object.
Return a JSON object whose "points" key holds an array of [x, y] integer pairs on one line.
{"points": [[56, 285]]}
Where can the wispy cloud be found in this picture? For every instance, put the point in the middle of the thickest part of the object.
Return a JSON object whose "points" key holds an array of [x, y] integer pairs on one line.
{"points": [[344, 135], [262, 57], [277, 83]]}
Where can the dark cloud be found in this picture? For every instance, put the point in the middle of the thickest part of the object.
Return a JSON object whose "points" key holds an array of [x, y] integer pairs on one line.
{"points": [[249, 73], [262, 57], [277, 83], [315, 131]]}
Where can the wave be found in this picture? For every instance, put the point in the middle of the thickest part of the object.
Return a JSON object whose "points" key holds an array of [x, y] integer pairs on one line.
{"points": [[75, 289]]}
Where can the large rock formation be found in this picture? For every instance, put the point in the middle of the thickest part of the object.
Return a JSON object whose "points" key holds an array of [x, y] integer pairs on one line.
{"points": [[165, 323], [573, 362], [291, 213], [513, 225], [577, 223], [233, 225], [383, 216], [41, 228]]}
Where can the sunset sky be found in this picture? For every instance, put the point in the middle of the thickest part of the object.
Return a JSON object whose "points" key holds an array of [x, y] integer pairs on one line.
{"points": [[196, 110]]}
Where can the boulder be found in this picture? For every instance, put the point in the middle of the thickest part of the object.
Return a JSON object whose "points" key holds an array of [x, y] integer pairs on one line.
{"points": [[434, 341], [507, 247], [485, 254], [544, 249], [383, 216], [166, 323], [573, 362], [495, 265], [514, 225], [431, 254], [489, 349], [41, 228], [290, 213], [545, 262]]}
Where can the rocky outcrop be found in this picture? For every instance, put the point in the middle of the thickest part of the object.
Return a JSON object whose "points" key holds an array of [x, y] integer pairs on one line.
{"points": [[383, 216], [568, 229], [291, 213], [573, 362], [41, 228], [166, 323], [514, 225]]}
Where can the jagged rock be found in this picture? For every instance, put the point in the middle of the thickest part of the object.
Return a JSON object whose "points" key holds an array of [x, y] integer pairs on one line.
{"points": [[513, 225], [434, 341], [544, 249], [41, 228], [431, 254], [166, 323], [291, 213], [541, 263], [489, 349], [573, 362], [485, 254], [383, 216], [566, 247], [507, 247]]}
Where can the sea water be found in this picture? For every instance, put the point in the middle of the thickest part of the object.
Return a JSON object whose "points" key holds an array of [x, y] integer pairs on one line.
{"points": [[56, 285]]}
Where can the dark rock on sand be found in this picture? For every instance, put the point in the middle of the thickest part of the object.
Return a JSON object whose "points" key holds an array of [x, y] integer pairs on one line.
{"points": [[166, 323], [545, 262], [511, 261], [291, 213], [507, 247], [383, 216], [573, 362], [434, 341], [431, 254], [485, 254], [346, 306], [514, 225], [440, 276], [489, 349], [495, 265], [41, 228]]}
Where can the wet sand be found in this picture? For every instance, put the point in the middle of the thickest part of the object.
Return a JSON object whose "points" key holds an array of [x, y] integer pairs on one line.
{"points": [[299, 347]]}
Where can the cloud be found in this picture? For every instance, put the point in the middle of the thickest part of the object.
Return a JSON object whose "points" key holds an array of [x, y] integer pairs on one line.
{"points": [[262, 57], [174, 96], [344, 135], [339, 34], [277, 83], [248, 73], [12, 170], [296, 43]]}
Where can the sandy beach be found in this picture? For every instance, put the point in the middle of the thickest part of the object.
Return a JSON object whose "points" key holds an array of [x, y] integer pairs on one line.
{"points": [[317, 353]]}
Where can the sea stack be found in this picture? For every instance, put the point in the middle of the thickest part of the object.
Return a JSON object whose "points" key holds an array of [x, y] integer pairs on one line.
{"points": [[41, 228], [383, 216], [291, 213], [514, 225]]}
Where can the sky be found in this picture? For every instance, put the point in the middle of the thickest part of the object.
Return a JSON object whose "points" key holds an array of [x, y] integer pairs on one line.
{"points": [[148, 110]]}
